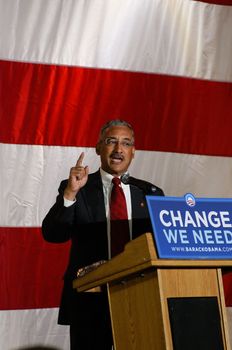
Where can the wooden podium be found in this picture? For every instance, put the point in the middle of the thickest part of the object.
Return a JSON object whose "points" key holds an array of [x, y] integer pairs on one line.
{"points": [[147, 294]]}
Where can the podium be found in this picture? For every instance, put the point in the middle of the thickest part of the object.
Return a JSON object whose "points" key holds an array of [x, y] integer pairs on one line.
{"points": [[162, 304]]}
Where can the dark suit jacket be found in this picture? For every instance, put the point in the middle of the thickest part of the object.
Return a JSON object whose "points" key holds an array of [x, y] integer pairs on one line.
{"points": [[85, 224]]}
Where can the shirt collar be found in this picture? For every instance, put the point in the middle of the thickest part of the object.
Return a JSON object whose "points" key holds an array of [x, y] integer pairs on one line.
{"points": [[106, 178]]}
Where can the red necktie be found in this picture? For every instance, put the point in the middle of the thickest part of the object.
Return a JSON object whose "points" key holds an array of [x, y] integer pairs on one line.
{"points": [[119, 228]]}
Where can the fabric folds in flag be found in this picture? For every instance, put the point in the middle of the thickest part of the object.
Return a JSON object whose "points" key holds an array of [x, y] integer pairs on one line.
{"points": [[67, 67]]}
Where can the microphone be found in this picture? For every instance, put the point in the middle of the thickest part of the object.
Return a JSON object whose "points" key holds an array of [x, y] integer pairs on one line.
{"points": [[145, 186]]}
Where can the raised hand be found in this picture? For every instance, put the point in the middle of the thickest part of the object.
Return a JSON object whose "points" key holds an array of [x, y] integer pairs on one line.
{"points": [[77, 178]]}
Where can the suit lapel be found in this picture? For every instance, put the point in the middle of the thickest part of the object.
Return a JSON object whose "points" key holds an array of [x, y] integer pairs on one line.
{"points": [[138, 202], [140, 214], [94, 198]]}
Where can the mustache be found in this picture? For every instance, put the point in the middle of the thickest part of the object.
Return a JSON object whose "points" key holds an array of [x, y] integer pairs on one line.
{"points": [[117, 155]]}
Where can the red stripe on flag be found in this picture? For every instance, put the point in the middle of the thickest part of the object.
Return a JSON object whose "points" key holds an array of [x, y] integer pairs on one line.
{"points": [[59, 105], [218, 2], [31, 269]]}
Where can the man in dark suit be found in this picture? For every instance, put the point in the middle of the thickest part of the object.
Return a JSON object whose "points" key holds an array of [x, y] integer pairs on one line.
{"points": [[81, 213]]}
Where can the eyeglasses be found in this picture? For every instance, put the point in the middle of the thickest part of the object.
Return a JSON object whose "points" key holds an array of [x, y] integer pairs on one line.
{"points": [[111, 141]]}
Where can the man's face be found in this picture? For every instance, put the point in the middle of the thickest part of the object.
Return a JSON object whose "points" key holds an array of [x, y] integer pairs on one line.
{"points": [[116, 149]]}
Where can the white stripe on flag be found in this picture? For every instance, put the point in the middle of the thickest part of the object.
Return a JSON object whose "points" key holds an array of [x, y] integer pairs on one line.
{"points": [[175, 37], [32, 175], [36, 327]]}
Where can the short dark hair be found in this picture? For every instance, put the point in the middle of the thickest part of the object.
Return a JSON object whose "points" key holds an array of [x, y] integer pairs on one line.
{"points": [[115, 122]]}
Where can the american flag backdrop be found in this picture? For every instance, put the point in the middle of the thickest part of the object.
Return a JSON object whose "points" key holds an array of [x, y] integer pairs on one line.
{"points": [[66, 67]]}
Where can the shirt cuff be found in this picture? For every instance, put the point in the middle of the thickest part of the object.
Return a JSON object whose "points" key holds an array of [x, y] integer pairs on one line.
{"points": [[68, 203]]}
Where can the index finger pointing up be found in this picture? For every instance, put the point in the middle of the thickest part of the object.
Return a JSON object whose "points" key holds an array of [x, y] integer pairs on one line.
{"points": [[80, 159]]}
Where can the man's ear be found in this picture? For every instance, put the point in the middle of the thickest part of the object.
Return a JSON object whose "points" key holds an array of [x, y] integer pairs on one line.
{"points": [[133, 152], [97, 149]]}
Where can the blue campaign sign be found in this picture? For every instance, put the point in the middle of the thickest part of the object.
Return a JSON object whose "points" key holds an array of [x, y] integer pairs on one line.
{"points": [[191, 228]]}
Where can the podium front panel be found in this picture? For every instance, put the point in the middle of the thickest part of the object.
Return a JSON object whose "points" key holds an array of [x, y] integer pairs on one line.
{"points": [[136, 313]]}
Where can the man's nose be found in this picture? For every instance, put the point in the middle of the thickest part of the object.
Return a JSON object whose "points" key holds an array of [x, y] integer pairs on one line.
{"points": [[118, 146]]}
